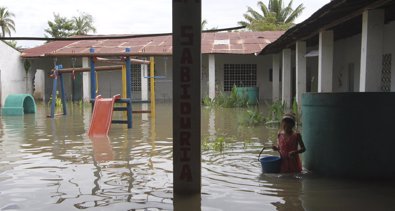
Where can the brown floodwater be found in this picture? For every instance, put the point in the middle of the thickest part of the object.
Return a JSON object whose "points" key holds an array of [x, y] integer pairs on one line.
{"points": [[51, 164]]}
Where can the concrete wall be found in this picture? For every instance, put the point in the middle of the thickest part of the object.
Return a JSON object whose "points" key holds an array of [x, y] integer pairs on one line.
{"points": [[163, 86], [263, 66], [347, 56], [13, 77]]}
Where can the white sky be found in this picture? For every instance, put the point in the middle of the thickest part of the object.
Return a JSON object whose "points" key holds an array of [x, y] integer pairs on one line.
{"points": [[130, 16]]}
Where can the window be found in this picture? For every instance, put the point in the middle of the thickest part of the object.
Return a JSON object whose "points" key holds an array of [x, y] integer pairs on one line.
{"points": [[241, 75], [386, 73], [136, 77]]}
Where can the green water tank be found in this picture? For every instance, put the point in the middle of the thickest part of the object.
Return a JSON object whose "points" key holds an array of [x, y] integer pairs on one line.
{"points": [[349, 135], [251, 92]]}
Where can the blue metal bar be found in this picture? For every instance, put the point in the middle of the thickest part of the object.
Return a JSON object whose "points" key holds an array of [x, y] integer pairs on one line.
{"points": [[141, 101], [129, 87], [123, 100], [120, 122], [93, 74], [120, 108], [54, 87], [159, 76], [62, 94]]}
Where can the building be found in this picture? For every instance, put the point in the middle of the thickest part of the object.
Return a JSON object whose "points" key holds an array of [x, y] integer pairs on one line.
{"points": [[227, 58], [345, 46]]}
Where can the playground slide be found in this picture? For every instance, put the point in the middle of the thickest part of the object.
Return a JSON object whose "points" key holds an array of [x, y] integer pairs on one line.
{"points": [[102, 116]]}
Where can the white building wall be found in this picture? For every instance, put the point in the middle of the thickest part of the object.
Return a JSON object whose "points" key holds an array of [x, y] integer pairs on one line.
{"points": [[264, 64], [12, 71], [39, 89], [346, 57]]}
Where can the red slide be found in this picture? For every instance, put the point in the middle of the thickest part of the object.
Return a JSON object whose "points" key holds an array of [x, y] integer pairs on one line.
{"points": [[102, 116]]}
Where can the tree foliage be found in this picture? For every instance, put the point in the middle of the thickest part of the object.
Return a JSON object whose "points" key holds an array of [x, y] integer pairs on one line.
{"points": [[273, 17], [60, 27], [83, 24], [7, 24], [65, 27]]}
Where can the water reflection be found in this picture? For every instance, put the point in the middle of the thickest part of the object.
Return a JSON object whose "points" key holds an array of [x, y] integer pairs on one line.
{"points": [[102, 149], [50, 164], [288, 188], [187, 202]]}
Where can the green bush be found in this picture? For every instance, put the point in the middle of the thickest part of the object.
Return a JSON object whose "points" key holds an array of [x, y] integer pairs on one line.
{"points": [[253, 117], [231, 100]]}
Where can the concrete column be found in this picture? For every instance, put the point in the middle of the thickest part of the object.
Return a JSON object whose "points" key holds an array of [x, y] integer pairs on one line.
{"points": [[144, 89], [286, 85], [325, 62], [39, 85], [276, 77], [211, 76], [86, 82], [300, 70], [371, 50], [144, 82], [186, 97]]}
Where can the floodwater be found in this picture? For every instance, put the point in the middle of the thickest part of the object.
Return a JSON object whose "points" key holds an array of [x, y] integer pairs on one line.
{"points": [[50, 164]]}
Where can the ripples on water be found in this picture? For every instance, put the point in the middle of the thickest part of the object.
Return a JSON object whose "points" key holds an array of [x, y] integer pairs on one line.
{"points": [[50, 164]]}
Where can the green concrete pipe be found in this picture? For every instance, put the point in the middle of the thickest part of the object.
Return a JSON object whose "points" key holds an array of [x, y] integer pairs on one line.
{"points": [[18, 104]]}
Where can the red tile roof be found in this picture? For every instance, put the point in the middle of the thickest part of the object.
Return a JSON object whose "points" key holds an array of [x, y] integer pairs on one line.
{"points": [[212, 43]]}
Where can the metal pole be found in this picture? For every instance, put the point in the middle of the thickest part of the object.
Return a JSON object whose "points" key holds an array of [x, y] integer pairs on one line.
{"points": [[54, 87], [93, 74], [129, 87], [62, 94]]}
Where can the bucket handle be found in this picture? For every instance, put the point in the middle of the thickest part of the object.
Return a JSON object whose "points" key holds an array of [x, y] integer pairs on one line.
{"points": [[259, 156]]}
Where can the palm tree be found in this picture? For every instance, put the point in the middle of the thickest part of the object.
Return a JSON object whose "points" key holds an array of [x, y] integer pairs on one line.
{"points": [[273, 17], [204, 24], [6, 23], [83, 24], [60, 27]]}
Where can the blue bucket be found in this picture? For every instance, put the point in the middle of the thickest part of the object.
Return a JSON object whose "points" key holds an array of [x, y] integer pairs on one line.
{"points": [[270, 164]]}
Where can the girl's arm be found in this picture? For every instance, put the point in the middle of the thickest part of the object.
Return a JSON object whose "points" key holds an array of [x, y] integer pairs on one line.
{"points": [[302, 147], [301, 144], [276, 147]]}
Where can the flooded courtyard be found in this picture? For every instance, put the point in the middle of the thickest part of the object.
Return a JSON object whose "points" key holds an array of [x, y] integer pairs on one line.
{"points": [[51, 164]]}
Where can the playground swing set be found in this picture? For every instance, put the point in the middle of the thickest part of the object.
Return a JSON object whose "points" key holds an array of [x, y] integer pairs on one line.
{"points": [[103, 107]]}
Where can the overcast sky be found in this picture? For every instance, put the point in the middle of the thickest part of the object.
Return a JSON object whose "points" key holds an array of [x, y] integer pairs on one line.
{"points": [[129, 16]]}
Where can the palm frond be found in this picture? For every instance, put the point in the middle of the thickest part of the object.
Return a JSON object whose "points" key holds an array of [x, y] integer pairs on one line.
{"points": [[295, 13], [264, 9], [254, 14]]}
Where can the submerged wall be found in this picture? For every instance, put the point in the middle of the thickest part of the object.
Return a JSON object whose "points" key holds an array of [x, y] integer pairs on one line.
{"points": [[349, 134]]}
